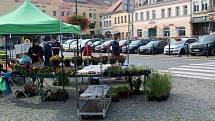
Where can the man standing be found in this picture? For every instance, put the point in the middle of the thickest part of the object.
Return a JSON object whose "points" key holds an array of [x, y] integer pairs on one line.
{"points": [[47, 53], [115, 47], [36, 53], [55, 46]]}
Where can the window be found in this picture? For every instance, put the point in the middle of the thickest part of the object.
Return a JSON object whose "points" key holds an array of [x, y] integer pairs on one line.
{"points": [[181, 31], [94, 15], [141, 16], [100, 23], [153, 14], [115, 20], [54, 13], [104, 23], [110, 23], [139, 32], [147, 15], [121, 19], [62, 13], [169, 12], [204, 5], [84, 14], [196, 6], [185, 10], [67, 13], [44, 11], [177, 11], [166, 31], [90, 15], [136, 16], [162, 13], [123, 35], [118, 20], [125, 19]]}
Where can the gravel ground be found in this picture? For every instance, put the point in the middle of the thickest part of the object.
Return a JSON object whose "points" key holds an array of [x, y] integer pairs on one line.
{"points": [[190, 100]]}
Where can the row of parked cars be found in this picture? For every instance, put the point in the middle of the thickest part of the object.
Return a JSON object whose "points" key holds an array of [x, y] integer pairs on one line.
{"points": [[204, 45]]}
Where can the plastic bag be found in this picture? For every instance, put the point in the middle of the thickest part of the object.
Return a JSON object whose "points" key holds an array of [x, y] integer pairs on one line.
{"points": [[3, 85], [25, 60]]}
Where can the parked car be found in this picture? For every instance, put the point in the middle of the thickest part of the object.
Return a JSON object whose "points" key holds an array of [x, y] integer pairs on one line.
{"points": [[66, 45], [73, 45], [134, 46], [84, 42], [104, 47], [204, 45], [153, 47], [179, 46], [96, 43]]}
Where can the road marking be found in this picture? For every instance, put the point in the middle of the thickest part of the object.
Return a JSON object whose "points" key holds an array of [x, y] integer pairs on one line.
{"points": [[198, 71]]}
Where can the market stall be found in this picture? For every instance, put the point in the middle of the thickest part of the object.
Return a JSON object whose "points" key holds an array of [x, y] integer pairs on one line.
{"points": [[30, 20]]}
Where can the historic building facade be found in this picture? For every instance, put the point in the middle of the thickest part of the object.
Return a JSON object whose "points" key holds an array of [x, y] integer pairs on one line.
{"points": [[62, 9]]}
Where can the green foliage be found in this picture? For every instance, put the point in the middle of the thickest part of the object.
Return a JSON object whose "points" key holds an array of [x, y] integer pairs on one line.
{"points": [[61, 80], [92, 25], [159, 84], [82, 21]]}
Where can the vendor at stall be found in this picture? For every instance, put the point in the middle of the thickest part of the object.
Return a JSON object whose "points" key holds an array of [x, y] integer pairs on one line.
{"points": [[47, 53], [87, 52], [36, 53]]}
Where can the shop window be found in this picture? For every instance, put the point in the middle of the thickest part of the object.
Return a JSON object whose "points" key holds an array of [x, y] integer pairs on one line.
{"points": [[139, 33], [166, 31], [181, 31]]}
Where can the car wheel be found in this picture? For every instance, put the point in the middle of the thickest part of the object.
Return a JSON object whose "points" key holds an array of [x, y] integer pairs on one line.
{"points": [[212, 52], [193, 54], [135, 51], [182, 52]]}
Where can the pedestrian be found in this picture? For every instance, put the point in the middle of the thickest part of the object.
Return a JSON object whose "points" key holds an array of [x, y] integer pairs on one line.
{"points": [[36, 53], [47, 53], [115, 48], [55, 46], [87, 52]]}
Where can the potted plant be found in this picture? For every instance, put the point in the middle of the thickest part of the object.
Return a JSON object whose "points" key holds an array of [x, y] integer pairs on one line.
{"points": [[122, 59], [123, 91], [79, 60], [95, 60], [159, 85], [67, 61], [55, 60], [86, 60]]}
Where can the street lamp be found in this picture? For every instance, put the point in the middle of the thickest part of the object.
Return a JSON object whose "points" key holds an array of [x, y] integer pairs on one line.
{"points": [[76, 13]]}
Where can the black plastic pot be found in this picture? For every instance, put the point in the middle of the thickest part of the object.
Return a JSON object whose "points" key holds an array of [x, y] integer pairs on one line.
{"points": [[151, 98]]}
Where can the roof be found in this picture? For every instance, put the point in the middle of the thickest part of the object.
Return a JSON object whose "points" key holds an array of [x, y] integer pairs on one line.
{"points": [[94, 2], [117, 6]]}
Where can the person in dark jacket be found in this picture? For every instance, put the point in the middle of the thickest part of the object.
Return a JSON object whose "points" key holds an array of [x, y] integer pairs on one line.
{"points": [[47, 53], [55, 46], [115, 47], [36, 53]]}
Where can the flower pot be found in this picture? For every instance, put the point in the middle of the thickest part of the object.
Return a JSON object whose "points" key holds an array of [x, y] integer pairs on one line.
{"points": [[55, 64], [151, 98], [123, 94], [67, 63], [159, 99]]}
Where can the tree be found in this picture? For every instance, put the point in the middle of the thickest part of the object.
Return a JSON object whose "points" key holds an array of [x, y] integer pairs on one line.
{"points": [[82, 21]]}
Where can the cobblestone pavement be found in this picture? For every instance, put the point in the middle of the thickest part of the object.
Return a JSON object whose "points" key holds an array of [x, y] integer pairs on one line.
{"points": [[190, 100]]}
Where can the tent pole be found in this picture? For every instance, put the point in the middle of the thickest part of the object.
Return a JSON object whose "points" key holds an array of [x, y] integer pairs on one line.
{"points": [[6, 52]]}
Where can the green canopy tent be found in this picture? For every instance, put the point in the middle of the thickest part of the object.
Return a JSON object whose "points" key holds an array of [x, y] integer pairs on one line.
{"points": [[29, 20]]}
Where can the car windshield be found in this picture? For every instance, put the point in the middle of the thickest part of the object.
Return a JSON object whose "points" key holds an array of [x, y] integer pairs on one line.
{"points": [[122, 42], [135, 42], [174, 42], [150, 44], [207, 38], [96, 43], [68, 41], [107, 42]]}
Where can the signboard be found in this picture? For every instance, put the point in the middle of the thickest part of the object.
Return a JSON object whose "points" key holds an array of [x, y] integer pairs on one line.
{"points": [[22, 48]]}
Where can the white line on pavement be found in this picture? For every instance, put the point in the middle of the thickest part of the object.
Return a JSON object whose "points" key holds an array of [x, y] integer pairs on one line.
{"points": [[200, 67], [194, 77], [193, 70], [193, 74]]}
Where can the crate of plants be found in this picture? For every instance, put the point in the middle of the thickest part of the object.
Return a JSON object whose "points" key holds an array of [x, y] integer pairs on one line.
{"points": [[3, 55], [55, 60], [158, 86], [45, 72], [114, 71], [136, 71], [22, 70]]}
